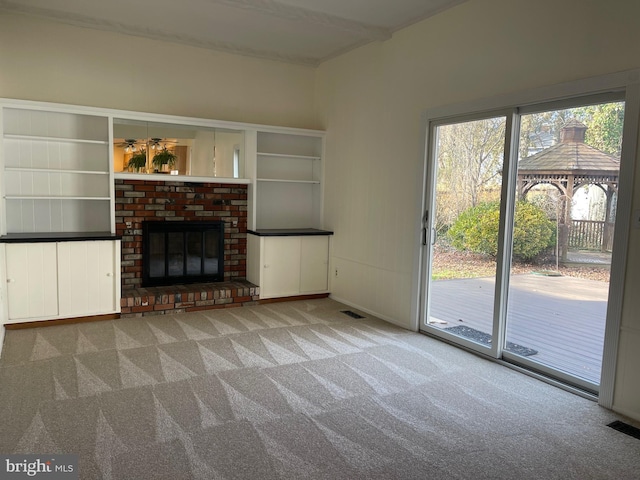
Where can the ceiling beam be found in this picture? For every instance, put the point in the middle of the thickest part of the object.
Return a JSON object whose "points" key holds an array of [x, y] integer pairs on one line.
{"points": [[135, 29], [363, 31]]}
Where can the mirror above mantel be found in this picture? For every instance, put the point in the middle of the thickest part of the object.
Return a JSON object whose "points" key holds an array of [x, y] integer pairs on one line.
{"points": [[139, 147]]}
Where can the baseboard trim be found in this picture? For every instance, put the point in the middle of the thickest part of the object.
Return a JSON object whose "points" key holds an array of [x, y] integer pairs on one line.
{"points": [[370, 312], [632, 415], [314, 296], [61, 321], [2, 335]]}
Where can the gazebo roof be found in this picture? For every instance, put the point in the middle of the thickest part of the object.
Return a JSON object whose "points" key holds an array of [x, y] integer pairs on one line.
{"points": [[571, 156]]}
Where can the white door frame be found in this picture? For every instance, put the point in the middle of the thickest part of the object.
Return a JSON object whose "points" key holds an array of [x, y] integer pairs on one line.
{"points": [[627, 82]]}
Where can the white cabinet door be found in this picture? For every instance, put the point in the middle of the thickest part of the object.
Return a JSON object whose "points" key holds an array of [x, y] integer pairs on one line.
{"points": [[314, 259], [288, 265], [32, 284], [87, 277], [280, 267]]}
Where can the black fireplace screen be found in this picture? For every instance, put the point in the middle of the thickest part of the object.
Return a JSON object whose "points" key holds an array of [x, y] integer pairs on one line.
{"points": [[182, 252]]}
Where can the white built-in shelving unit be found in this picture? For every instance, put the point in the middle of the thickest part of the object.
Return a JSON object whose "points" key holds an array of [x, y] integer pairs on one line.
{"points": [[57, 189], [288, 180], [56, 171], [284, 257]]}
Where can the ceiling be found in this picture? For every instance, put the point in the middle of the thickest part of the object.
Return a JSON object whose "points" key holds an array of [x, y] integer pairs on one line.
{"points": [[298, 31]]}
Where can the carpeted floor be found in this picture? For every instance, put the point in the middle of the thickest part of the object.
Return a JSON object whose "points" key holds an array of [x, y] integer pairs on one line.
{"points": [[293, 390]]}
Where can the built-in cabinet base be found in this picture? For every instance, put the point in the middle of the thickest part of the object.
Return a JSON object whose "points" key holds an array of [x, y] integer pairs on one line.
{"points": [[288, 262], [53, 280]]}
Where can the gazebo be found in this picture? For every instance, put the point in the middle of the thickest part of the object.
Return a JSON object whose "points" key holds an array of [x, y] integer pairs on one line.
{"points": [[567, 166]]}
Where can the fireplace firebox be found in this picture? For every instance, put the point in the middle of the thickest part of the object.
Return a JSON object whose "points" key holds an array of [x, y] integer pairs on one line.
{"points": [[182, 252]]}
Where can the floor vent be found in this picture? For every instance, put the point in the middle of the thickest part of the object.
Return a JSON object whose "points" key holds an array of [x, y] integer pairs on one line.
{"points": [[625, 428], [351, 314]]}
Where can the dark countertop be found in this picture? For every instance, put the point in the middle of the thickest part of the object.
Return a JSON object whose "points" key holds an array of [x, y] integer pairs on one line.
{"points": [[288, 232], [57, 237]]}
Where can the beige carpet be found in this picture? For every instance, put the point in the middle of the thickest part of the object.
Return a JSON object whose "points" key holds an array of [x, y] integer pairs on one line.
{"points": [[293, 390]]}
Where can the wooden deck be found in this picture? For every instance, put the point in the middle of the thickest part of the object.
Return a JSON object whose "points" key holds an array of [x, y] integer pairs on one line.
{"points": [[563, 318]]}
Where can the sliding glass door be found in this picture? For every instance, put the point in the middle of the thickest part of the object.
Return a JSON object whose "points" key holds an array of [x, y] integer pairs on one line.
{"points": [[467, 183], [566, 196], [518, 234]]}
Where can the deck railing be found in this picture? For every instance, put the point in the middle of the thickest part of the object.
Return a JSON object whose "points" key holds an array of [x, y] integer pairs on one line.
{"points": [[590, 235]]}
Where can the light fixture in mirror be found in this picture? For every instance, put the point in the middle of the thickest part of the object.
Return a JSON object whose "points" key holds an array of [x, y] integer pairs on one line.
{"points": [[129, 146], [193, 150]]}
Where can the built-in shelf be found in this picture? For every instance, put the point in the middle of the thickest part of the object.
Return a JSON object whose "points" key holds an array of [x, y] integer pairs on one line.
{"points": [[289, 232], [163, 177], [55, 170], [40, 138], [288, 180], [53, 197], [282, 155], [285, 180]]}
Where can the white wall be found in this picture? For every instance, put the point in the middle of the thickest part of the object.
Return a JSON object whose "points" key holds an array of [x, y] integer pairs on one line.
{"points": [[370, 101], [51, 62]]}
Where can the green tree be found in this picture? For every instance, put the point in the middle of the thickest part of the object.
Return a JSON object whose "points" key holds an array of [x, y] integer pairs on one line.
{"points": [[470, 156], [604, 124], [603, 121], [535, 128]]}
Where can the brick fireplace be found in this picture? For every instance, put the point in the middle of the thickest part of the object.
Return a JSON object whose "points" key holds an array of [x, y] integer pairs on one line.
{"points": [[138, 201]]}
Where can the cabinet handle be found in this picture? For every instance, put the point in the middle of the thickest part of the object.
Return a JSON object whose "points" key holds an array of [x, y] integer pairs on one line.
{"points": [[10, 280], [109, 274], [266, 265]]}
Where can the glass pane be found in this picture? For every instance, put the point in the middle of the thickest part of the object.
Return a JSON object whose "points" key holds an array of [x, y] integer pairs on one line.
{"points": [[156, 255], [175, 254], [211, 251], [567, 184], [470, 156], [194, 253], [130, 152], [149, 147]]}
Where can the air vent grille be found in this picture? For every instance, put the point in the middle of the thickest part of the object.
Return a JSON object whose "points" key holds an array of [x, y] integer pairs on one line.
{"points": [[625, 428]]}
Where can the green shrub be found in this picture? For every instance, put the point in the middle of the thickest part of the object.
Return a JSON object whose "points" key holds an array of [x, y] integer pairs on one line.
{"points": [[476, 230], [533, 232]]}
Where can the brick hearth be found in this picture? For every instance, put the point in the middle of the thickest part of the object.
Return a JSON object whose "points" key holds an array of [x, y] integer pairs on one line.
{"points": [[187, 298], [142, 200]]}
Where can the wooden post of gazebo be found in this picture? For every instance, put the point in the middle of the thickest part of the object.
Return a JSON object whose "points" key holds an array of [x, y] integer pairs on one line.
{"points": [[607, 233], [564, 219]]}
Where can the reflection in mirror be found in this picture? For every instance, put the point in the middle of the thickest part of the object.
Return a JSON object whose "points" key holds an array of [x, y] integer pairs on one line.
{"points": [[177, 149], [130, 146]]}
